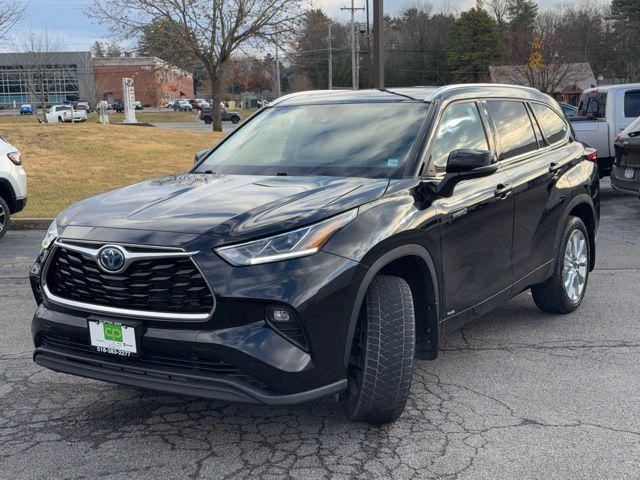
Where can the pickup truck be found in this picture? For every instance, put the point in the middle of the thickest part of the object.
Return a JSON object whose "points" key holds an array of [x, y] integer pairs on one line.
{"points": [[64, 113], [603, 112]]}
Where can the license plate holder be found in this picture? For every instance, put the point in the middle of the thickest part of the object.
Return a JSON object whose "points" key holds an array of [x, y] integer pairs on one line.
{"points": [[629, 173], [115, 337]]}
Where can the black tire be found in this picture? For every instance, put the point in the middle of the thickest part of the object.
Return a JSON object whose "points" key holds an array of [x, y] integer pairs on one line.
{"points": [[381, 362], [551, 295], [5, 217], [59, 119], [208, 120], [235, 120]]}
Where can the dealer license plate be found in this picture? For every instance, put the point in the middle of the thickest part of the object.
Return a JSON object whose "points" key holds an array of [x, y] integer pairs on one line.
{"points": [[628, 173], [113, 338]]}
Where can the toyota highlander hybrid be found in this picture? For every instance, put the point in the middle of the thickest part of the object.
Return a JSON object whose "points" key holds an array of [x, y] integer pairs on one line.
{"points": [[321, 247]]}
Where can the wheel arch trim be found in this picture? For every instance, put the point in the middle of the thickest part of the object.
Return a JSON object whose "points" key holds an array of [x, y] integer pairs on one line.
{"points": [[581, 199], [409, 250]]}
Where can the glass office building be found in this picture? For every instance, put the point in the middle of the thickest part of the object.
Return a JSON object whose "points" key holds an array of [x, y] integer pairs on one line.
{"points": [[59, 77]]}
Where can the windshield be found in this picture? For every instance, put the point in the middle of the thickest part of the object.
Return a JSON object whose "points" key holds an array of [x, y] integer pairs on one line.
{"points": [[368, 140]]}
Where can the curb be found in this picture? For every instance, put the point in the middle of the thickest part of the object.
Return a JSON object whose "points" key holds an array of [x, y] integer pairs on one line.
{"points": [[30, 223]]}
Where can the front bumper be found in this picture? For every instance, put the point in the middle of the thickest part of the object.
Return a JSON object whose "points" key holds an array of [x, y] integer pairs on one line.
{"points": [[172, 380], [260, 363]]}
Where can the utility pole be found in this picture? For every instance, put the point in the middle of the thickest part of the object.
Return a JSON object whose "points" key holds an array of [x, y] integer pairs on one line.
{"points": [[354, 66], [378, 44], [330, 59], [278, 93]]}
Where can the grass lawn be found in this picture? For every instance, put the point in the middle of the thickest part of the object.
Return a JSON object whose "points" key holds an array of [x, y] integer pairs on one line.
{"points": [[66, 163], [149, 116]]}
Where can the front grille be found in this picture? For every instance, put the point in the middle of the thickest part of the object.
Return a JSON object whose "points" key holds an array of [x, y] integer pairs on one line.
{"points": [[188, 365], [165, 285]]}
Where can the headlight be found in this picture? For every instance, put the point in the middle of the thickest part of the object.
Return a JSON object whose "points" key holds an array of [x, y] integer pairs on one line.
{"points": [[297, 243], [51, 235]]}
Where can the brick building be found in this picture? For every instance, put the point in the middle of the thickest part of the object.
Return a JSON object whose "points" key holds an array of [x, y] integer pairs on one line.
{"points": [[155, 81]]}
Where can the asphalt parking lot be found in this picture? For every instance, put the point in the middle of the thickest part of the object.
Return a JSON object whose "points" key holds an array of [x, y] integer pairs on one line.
{"points": [[516, 394]]}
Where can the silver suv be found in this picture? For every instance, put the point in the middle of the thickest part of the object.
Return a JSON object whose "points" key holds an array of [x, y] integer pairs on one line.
{"points": [[13, 184]]}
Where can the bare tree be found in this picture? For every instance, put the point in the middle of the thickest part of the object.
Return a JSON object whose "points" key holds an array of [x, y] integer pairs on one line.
{"points": [[209, 30], [37, 61], [11, 12]]}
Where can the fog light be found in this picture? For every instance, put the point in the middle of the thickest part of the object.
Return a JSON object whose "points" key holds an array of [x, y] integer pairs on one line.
{"points": [[279, 314]]}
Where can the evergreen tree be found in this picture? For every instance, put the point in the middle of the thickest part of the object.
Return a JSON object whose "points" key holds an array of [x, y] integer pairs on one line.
{"points": [[476, 44]]}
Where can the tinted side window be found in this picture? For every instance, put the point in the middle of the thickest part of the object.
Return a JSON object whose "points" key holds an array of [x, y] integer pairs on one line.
{"points": [[553, 126], [632, 103], [460, 127], [515, 131]]}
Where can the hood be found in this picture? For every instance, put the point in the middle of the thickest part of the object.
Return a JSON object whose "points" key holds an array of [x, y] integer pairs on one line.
{"points": [[226, 207]]}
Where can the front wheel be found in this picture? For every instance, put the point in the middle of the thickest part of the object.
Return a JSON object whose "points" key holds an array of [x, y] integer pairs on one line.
{"points": [[564, 290], [235, 120], [381, 363], [5, 217], [208, 120]]}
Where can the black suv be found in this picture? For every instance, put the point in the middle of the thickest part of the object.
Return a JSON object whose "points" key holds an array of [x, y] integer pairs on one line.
{"points": [[321, 247]]}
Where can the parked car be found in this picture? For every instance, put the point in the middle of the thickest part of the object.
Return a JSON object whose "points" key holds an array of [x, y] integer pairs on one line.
{"points": [[138, 105], [64, 114], [202, 103], [27, 109], [603, 112], [206, 115], [569, 110], [118, 106], [625, 174], [182, 105], [13, 184], [83, 106], [307, 255]]}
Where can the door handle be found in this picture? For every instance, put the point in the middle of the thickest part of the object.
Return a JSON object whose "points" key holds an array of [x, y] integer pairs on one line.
{"points": [[502, 191]]}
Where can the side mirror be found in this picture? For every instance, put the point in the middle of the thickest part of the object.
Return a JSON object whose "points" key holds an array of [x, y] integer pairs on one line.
{"points": [[200, 155], [465, 165]]}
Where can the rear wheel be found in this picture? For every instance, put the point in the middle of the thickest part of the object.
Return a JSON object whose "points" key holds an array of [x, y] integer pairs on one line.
{"points": [[564, 290], [208, 120], [381, 363], [235, 120], [5, 217]]}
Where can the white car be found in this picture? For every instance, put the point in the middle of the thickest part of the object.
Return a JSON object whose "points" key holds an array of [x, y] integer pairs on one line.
{"points": [[13, 184], [63, 113]]}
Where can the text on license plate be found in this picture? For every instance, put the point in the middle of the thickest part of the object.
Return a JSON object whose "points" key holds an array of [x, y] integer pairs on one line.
{"points": [[628, 172], [113, 338]]}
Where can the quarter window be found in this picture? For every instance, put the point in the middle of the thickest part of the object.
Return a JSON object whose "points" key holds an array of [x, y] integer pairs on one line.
{"points": [[553, 126], [514, 128], [460, 128]]}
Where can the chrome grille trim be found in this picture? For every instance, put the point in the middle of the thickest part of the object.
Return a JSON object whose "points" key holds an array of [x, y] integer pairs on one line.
{"points": [[132, 257]]}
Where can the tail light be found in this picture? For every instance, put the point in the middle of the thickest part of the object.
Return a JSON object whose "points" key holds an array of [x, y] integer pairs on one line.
{"points": [[591, 154], [15, 158]]}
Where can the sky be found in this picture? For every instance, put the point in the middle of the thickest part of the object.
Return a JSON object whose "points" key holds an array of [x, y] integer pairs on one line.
{"points": [[65, 19]]}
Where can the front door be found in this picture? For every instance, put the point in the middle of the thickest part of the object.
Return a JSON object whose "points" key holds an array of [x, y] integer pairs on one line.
{"points": [[476, 222]]}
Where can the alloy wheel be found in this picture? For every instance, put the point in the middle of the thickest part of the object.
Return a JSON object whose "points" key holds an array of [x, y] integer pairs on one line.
{"points": [[574, 272]]}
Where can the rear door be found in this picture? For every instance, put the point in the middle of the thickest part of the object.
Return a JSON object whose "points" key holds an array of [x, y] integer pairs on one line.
{"points": [[532, 141], [476, 221]]}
